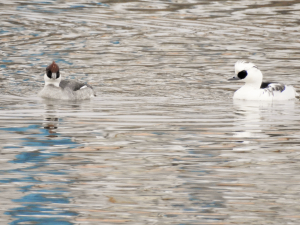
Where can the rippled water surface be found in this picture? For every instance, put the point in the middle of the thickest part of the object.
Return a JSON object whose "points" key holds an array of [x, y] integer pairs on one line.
{"points": [[163, 142]]}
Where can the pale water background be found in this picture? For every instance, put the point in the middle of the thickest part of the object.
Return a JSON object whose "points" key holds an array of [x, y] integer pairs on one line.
{"points": [[163, 142]]}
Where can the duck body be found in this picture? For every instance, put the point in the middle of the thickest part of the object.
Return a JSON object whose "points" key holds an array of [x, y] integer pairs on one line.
{"points": [[68, 90], [255, 89], [272, 92], [56, 88]]}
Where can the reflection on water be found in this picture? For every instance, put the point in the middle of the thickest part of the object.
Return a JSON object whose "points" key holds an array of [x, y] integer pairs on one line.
{"points": [[253, 116], [39, 199], [248, 122], [163, 143]]}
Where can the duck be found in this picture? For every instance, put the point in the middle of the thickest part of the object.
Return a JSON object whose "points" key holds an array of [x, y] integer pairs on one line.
{"points": [[255, 88], [56, 88]]}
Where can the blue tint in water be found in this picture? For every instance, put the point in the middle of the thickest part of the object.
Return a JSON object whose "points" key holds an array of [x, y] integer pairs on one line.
{"points": [[41, 221], [54, 172], [6, 60], [18, 129], [3, 31], [37, 203], [26, 188], [21, 7], [102, 4], [41, 139], [18, 28], [8, 147], [18, 180], [35, 156], [39, 54], [158, 133], [32, 210], [46, 2], [30, 213], [62, 61], [43, 198], [45, 143], [77, 6]]}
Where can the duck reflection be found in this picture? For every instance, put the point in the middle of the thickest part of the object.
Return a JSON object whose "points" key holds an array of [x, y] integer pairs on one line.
{"points": [[248, 117], [51, 114], [254, 118], [51, 120], [43, 188]]}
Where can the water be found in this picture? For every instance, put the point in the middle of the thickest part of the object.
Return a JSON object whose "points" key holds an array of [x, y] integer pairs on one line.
{"points": [[163, 142]]}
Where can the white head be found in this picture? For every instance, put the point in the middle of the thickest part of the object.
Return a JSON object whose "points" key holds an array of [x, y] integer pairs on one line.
{"points": [[248, 73], [52, 75]]}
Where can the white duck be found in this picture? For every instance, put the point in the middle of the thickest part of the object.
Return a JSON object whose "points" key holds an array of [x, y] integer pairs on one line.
{"points": [[255, 89]]}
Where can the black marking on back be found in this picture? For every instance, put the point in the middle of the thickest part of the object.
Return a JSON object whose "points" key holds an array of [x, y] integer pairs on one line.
{"points": [[73, 85], [274, 86], [264, 84], [242, 74]]}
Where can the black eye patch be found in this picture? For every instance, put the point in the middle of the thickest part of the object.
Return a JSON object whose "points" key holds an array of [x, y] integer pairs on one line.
{"points": [[49, 73], [242, 74]]}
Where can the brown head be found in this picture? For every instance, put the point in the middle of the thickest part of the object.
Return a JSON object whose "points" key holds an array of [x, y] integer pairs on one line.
{"points": [[52, 71]]}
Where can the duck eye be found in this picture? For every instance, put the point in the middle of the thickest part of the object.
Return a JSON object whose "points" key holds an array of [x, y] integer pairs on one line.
{"points": [[49, 74], [242, 74], [57, 74]]}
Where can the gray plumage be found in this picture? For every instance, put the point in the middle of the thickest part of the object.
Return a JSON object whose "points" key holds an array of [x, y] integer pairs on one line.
{"points": [[269, 86], [68, 90], [73, 85]]}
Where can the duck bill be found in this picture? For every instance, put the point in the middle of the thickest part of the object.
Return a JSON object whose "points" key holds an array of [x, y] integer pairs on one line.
{"points": [[234, 78]]}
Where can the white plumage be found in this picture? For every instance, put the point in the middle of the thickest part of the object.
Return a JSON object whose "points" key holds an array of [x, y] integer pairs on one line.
{"points": [[255, 89]]}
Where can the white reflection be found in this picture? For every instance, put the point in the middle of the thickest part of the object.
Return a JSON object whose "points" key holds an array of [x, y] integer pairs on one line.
{"points": [[254, 118]]}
